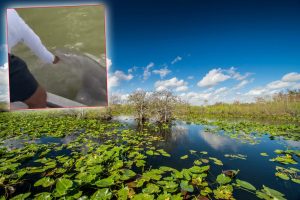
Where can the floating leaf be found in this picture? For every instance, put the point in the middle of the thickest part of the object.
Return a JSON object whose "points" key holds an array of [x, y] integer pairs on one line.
{"points": [[282, 176], [21, 196], [45, 182], [62, 186], [264, 154], [151, 188], [245, 184], [184, 157], [222, 179], [43, 196], [186, 187], [106, 182], [101, 194]]}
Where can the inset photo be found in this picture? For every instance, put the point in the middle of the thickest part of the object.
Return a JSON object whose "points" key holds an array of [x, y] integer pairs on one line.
{"points": [[57, 57]]}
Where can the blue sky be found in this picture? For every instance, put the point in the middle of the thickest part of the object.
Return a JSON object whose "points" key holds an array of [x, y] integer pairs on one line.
{"points": [[216, 50]]}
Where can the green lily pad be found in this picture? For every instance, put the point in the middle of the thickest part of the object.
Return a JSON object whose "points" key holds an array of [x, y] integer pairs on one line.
{"points": [[222, 179], [186, 187], [45, 182], [245, 184], [62, 186], [102, 194], [184, 157], [21, 196]]}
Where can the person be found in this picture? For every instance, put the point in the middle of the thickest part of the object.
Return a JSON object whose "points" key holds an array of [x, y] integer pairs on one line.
{"points": [[23, 86]]}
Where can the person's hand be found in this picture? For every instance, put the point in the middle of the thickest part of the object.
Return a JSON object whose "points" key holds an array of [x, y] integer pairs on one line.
{"points": [[56, 60]]}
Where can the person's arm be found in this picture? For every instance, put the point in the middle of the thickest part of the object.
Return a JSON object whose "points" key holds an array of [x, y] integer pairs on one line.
{"points": [[34, 43]]}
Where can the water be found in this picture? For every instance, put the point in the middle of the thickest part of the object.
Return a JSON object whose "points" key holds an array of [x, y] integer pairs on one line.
{"points": [[183, 137], [256, 169], [77, 35]]}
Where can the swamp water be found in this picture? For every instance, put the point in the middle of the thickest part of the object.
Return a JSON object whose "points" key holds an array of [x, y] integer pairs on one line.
{"points": [[135, 157]]}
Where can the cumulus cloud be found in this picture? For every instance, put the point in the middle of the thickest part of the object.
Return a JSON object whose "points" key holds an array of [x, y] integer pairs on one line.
{"points": [[117, 76], [232, 71], [291, 77], [216, 76], [190, 77], [212, 78], [147, 71], [171, 84], [288, 81], [162, 72], [177, 59]]}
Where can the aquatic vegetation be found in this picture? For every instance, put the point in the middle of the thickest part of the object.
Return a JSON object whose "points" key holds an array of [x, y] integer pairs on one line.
{"points": [[236, 156], [264, 154], [290, 173], [67, 158], [268, 193], [286, 157]]}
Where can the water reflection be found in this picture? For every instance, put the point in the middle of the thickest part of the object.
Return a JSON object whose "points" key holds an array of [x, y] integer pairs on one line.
{"points": [[219, 142]]}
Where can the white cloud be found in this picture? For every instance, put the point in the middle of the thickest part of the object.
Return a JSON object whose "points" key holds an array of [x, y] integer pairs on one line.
{"points": [[108, 63], [288, 81], [177, 59], [291, 77], [212, 78], [147, 71], [190, 77], [117, 76], [173, 83], [162, 72], [241, 84], [236, 75], [278, 85]]}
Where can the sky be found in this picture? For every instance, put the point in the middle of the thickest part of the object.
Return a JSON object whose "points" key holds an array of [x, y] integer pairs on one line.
{"points": [[203, 50]]}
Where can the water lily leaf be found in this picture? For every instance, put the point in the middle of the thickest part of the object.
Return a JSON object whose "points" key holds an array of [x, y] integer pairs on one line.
{"points": [[199, 170], [193, 151], [264, 154], [123, 193], [151, 188], [127, 174], [163, 153], [186, 187], [143, 197], [106, 182], [203, 152], [268, 193], [140, 163], [282, 176], [150, 152], [62, 186], [223, 179], [223, 192], [45, 182], [170, 186], [296, 180], [216, 161], [101, 194], [197, 162], [184, 157], [205, 160], [245, 184], [43, 196], [21, 196]]}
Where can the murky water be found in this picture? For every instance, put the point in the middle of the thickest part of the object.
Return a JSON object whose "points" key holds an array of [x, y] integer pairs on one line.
{"points": [[77, 35]]}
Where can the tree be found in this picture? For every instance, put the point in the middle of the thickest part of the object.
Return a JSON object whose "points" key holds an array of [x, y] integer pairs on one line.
{"points": [[140, 101], [163, 104]]}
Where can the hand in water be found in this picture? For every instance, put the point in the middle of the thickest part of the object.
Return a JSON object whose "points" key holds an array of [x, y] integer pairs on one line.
{"points": [[56, 60]]}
